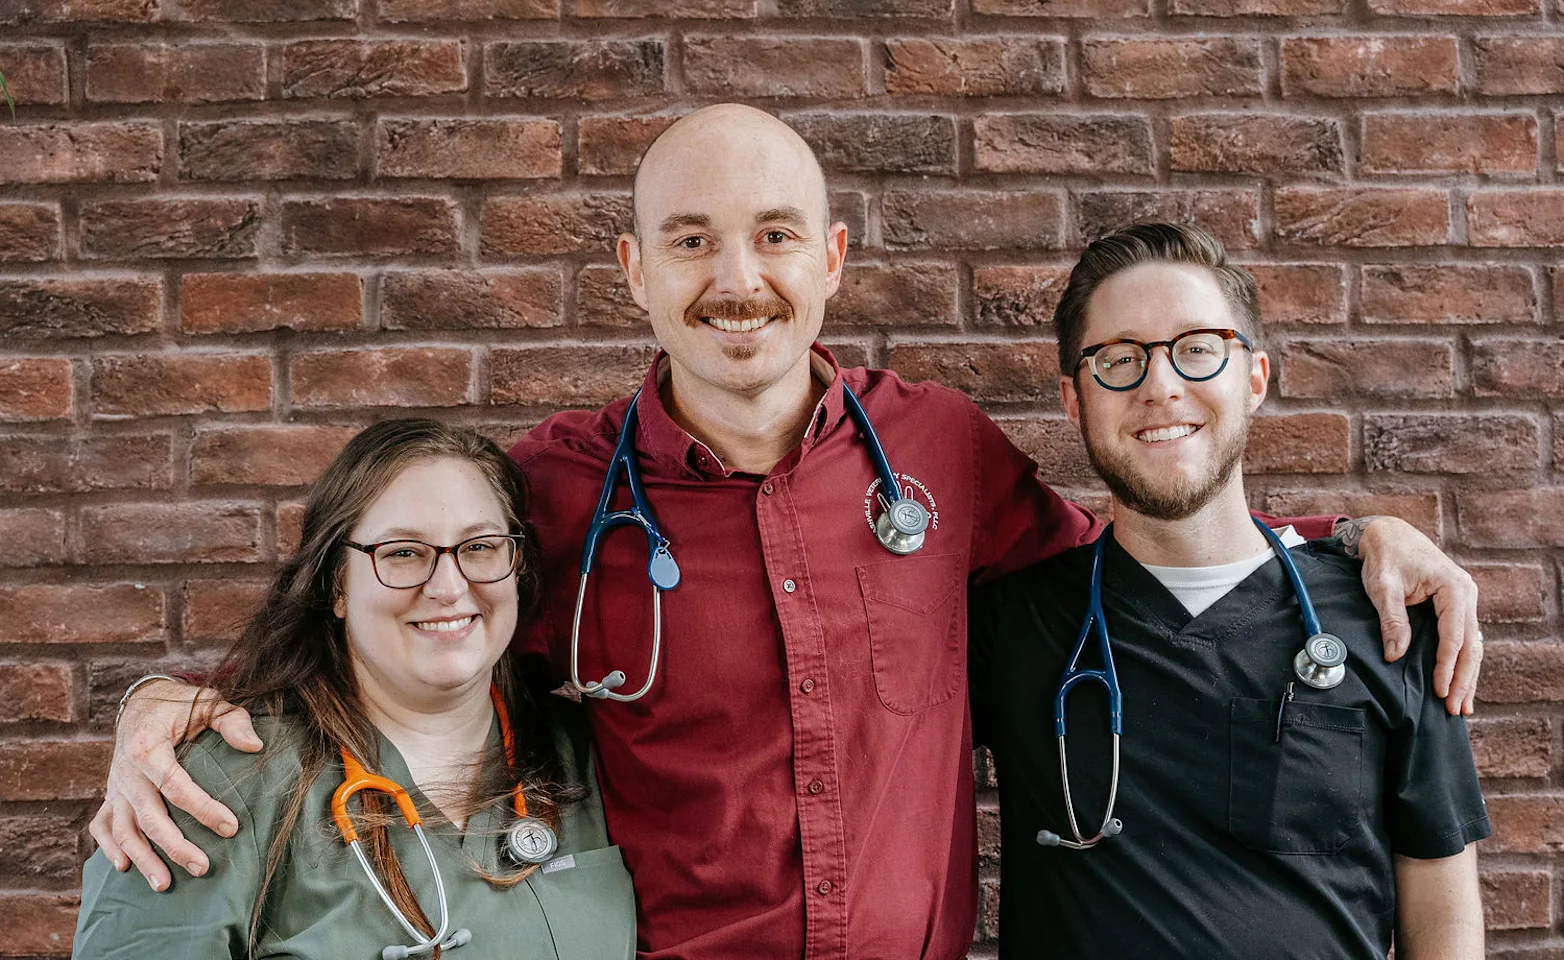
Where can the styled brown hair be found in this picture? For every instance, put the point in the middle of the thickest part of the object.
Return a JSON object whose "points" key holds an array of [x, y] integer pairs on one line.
{"points": [[1150, 243], [292, 659]]}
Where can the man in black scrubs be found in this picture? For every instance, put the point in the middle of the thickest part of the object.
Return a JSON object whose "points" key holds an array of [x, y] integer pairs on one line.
{"points": [[1261, 816]]}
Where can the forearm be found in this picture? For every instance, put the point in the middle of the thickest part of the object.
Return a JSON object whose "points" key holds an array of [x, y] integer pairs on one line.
{"points": [[1439, 911]]}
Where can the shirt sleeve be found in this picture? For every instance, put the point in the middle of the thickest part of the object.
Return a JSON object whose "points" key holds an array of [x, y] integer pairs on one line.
{"points": [[982, 625], [1433, 801], [197, 918]]}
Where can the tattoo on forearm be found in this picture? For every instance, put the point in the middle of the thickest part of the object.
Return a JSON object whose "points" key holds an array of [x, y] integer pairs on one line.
{"points": [[1350, 534]]}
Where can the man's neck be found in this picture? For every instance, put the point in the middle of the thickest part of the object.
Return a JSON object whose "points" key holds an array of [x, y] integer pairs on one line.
{"points": [[1220, 532], [748, 433]]}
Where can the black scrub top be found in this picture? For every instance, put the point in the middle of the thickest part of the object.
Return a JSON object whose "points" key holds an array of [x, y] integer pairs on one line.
{"points": [[1234, 844]]}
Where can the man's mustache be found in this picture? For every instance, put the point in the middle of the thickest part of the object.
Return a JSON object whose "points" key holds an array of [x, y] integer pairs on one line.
{"points": [[728, 308]]}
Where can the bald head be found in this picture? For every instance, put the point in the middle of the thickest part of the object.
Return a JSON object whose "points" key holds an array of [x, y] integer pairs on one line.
{"points": [[723, 148]]}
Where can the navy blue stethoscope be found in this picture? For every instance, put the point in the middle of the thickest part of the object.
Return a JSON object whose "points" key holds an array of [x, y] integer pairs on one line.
{"points": [[901, 529], [1320, 664]]}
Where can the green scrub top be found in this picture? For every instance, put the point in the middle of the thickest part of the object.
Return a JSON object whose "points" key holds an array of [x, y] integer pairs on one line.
{"points": [[321, 906]]}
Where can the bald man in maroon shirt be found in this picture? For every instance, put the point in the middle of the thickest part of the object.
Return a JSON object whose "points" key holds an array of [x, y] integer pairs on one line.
{"points": [[798, 779]]}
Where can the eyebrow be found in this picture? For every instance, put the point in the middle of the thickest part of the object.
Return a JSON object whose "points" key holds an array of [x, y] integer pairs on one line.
{"points": [[680, 220], [792, 216], [408, 533]]}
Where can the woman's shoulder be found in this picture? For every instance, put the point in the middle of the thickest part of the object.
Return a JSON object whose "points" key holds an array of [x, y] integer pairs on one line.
{"points": [[223, 770]]}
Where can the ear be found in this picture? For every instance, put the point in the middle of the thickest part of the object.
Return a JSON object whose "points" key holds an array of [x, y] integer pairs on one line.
{"points": [[1259, 379], [835, 256], [629, 253], [1071, 398], [339, 605]]}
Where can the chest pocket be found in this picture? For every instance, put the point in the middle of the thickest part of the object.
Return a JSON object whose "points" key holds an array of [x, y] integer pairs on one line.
{"points": [[1304, 794], [910, 603], [589, 906]]}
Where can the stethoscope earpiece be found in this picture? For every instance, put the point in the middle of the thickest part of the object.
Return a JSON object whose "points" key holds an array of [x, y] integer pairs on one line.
{"points": [[1320, 663]]}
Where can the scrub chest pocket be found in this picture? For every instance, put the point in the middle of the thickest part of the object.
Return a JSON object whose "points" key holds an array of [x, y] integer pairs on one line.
{"points": [[911, 603], [1302, 795], [588, 903]]}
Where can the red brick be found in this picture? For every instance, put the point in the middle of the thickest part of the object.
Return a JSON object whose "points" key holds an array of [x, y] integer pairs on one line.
{"points": [[155, 384], [1485, 444], [603, 300], [1522, 672], [1065, 8], [1313, 293], [290, 526], [1165, 68], [41, 924], [1512, 746], [847, 353], [80, 613], [1518, 368], [1421, 510], [1517, 899], [1232, 215], [97, 11], [33, 537], [995, 372], [1558, 293], [209, 228], [879, 142], [1453, 8], [1251, 143], [370, 226], [1258, 8], [53, 770], [252, 302], [35, 388], [681, 9], [1062, 143], [1476, 143], [80, 152], [280, 455], [1377, 66], [1352, 217], [1518, 66], [585, 376], [468, 149], [974, 66], [62, 465], [1516, 218], [1511, 592], [554, 224], [420, 11], [1336, 368], [242, 150], [1018, 296], [34, 73], [1447, 293], [971, 220], [1512, 518], [1298, 443], [175, 73], [372, 68], [146, 533], [739, 67], [471, 300], [852, 209], [1530, 823], [852, 9], [612, 146], [575, 69], [895, 295], [39, 850], [1055, 444], [264, 11], [29, 232], [36, 691], [216, 611], [389, 377]]}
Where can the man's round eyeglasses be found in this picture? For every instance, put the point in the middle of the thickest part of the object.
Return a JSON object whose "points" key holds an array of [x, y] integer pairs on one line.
{"points": [[403, 564], [1197, 355]]}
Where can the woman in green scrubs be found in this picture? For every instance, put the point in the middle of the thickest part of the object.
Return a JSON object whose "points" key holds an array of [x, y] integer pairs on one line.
{"points": [[384, 639]]}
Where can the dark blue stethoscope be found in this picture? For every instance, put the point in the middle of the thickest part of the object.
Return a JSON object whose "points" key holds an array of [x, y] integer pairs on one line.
{"points": [[1320, 664], [900, 529]]}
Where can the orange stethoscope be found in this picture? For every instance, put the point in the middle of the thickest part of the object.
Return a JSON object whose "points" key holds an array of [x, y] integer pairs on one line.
{"points": [[529, 840]]}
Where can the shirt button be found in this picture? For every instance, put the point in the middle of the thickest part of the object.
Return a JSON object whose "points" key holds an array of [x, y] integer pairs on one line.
{"points": [[808, 686], [789, 586], [823, 887], [815, 787], [766, 489]]}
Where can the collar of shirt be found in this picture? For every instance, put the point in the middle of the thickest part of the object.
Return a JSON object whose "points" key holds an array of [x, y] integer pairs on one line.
{"points": [[660, 440]]}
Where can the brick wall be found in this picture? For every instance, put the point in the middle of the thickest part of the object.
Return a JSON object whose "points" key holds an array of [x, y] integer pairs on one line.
{"points": [[233, 230]]}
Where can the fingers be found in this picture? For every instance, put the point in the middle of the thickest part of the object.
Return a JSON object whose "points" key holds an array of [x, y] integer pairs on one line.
{"points": [[135, 846], [102, 830], [1456, 664], [236, 727], [171, 780], [1389, 598], [1462, 700]]}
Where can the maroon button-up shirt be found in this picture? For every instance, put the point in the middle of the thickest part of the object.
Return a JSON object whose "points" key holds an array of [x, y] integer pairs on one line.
{"points": [[798, 781]]}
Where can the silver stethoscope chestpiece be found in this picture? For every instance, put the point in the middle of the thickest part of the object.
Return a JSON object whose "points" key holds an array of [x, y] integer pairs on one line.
{"points": [[1320, 663], [901, 528], [530, 840]]}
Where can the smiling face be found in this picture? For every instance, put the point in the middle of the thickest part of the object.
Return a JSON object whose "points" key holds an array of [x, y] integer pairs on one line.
{"points": [[431, 644], [1169, 446], [734, 258]]}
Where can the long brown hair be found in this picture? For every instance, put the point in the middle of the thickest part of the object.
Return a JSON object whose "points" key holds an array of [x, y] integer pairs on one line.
{"points": [[292, 659]]}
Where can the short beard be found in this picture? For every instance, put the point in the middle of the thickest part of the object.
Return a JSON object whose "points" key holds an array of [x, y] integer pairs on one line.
{"points": [[731, 309], [1179, 500]]}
